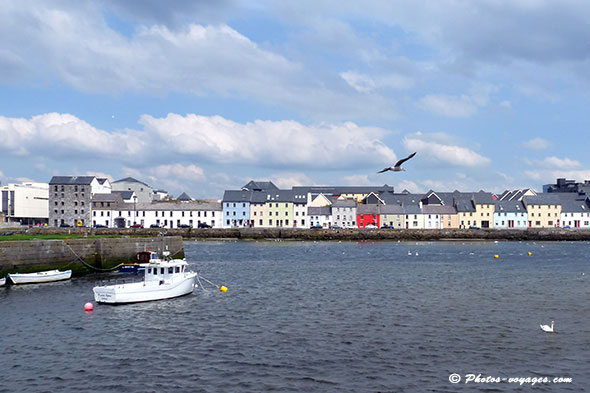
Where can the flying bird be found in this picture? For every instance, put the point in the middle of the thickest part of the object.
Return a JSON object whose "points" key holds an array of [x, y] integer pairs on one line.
{"points": [[398, 165]]}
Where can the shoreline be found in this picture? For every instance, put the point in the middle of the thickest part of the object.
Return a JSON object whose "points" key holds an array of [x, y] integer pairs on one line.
{"points": [[549, 234]]}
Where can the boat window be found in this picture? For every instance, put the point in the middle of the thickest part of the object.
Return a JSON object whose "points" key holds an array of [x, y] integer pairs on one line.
{"points": [[170, 270], [155, 271], [177, 269], [149, 270], [161, 270]]}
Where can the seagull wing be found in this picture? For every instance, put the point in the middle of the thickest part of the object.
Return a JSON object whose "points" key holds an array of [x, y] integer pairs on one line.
{"points": [[400, 162], [384, 170]]}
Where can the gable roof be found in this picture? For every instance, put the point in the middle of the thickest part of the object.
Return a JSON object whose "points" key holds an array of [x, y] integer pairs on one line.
{"points": [[130, 180], [184, 197], [259, 186], [72, 180]]}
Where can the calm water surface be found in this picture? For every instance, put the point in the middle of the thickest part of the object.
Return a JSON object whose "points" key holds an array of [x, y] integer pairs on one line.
{"points": [[316, 317]]}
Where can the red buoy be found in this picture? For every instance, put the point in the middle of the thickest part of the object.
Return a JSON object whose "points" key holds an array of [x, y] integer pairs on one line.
{"points": [[88, 307]]}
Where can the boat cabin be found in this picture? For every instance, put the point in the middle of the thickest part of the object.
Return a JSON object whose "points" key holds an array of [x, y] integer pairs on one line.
{"points": [[146, 256], [165, 270]]}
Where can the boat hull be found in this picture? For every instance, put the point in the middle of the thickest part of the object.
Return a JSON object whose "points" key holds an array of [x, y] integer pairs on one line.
{"points": [[39, 277], [2, 282], [145, 291]]}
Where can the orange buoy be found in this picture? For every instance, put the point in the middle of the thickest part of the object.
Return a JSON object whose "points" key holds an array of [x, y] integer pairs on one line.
{"points": [[88, 307], [496, 256]]}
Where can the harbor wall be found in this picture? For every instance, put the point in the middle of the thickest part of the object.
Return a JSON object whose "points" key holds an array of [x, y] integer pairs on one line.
{"points": [[83, 254], [531, 234]]}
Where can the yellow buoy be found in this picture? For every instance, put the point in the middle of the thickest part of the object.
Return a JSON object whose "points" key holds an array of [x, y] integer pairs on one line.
{"points": [[496, 256], [530, 253], [223, 288]]}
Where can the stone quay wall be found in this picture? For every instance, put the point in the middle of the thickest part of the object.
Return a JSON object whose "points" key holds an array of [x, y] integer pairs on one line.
{"points": [[96, 253]]}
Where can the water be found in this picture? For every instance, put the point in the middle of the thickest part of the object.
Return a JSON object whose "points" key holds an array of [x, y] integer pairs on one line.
{"points": [[316, 317]]}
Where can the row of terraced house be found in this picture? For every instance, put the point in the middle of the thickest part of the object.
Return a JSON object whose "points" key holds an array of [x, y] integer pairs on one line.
{"points": [[95, 201], [262, 204]]}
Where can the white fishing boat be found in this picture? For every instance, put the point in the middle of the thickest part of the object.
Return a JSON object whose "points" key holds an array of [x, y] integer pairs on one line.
{"points": [[39, 277], [163, 279]]}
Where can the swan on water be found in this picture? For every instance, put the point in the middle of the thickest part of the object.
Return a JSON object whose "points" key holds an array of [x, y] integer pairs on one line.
{"points": [[547, 328]]}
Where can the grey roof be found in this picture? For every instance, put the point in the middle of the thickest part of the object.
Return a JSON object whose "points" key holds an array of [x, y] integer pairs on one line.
{"points": [[259, 186], [412, 209], [124, 194], [464, 205], [278, 195], [400, 199], [543, 199], [72, 180], [130, 180], [184, 197], [339, 190], [439, 209], [391, 209], [112, 197], [176, 206], [483, 197], [346, 202], [236, 196], [319, 211], [574, 202], [368, 209], [509, 206], [101, 180]]}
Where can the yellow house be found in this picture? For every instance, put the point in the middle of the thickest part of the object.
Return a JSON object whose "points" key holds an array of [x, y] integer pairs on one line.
{"points": [[278, 209], [543, 210]]}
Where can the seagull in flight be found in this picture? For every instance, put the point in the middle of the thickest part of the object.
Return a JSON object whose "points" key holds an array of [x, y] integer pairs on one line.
{"points": [[398, 165]]}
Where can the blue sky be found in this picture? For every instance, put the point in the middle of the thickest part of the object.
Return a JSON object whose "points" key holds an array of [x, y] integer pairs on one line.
{"points": [[201, 96]]}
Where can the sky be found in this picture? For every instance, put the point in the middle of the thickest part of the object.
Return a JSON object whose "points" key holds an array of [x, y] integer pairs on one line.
{"points": [[202, 96]]}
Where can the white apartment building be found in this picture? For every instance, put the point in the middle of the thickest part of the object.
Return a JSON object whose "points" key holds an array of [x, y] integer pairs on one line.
{"points": [[26, 203]]}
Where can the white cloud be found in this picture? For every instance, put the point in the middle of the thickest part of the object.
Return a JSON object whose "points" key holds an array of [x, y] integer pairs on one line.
{"points": [[537, 144], [286, 180], [411, 186], [547, 176], [356, 180], [271, 143], [443, 154], [178, 171], [554, 163], [366, 84], [464, 105], [58, 135]]}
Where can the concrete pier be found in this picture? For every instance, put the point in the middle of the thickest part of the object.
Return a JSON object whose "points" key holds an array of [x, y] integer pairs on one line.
{"points": [[97, 253]]}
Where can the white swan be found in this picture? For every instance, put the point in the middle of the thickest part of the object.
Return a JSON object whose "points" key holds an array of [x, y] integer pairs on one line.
{"points": [[548, 329]]}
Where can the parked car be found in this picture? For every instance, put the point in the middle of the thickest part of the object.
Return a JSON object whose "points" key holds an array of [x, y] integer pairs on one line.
{"points": [[184, 226], [64, 225], [99, 226], [387, 227], [335, 227], [204, 225], [370, 226], [155, 226], [136, 226], [473, 227]]}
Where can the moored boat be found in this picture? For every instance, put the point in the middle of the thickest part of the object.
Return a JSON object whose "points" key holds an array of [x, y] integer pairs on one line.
{"points": [[163, 279], [39, 277], [2, 282]]}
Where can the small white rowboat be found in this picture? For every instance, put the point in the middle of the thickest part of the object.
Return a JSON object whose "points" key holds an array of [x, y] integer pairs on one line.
{"points": [[46, 276], [2, 282]]}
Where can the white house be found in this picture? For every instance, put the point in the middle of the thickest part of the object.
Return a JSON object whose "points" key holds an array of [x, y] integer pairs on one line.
{"points": [[575, 210]]}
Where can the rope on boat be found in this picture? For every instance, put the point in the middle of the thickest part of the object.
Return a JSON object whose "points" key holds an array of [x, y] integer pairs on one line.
{"points": [[88, 265]]}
